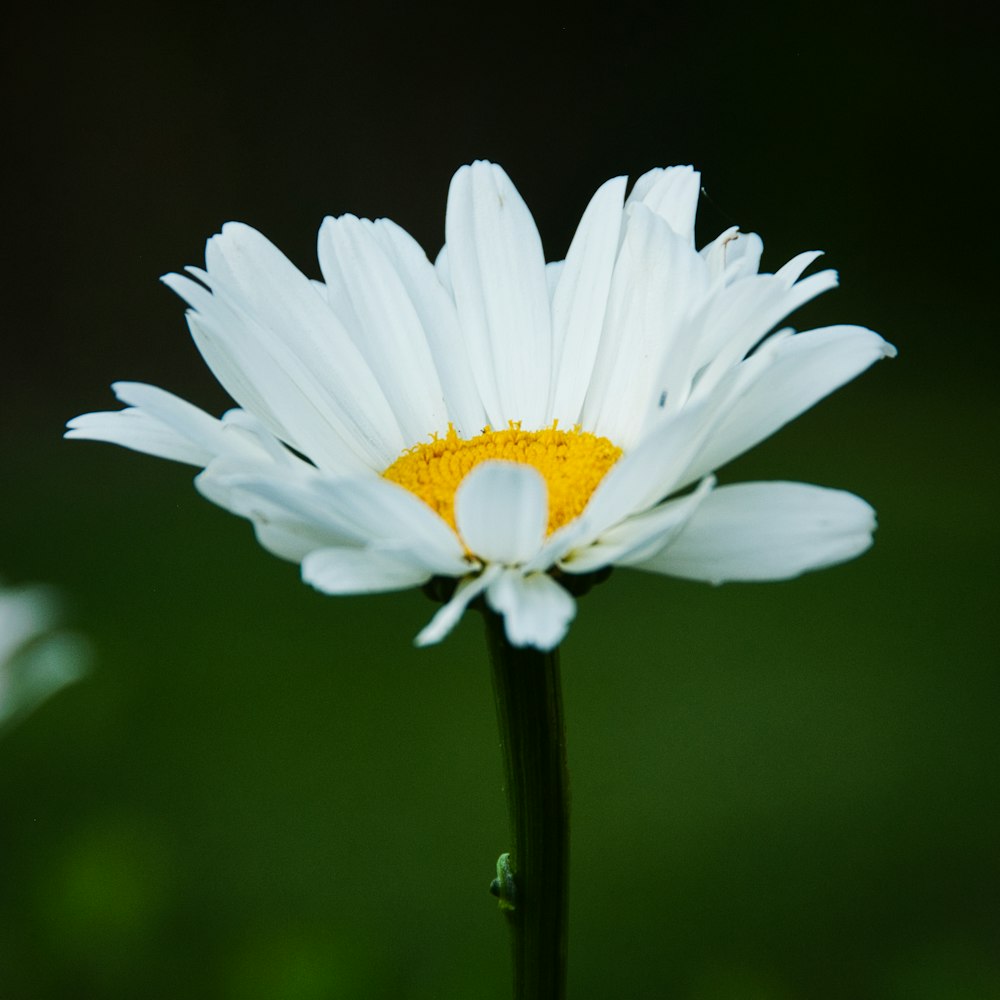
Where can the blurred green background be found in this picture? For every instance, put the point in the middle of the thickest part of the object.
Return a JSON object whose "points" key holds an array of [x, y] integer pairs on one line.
{"points": [[780, 792]]}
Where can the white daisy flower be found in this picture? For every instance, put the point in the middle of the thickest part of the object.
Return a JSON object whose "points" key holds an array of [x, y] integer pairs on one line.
{"points": [[36, 659], [503, 422]]}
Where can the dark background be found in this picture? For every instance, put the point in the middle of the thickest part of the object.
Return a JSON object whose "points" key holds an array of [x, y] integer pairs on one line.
{"points": [[781, 792]]}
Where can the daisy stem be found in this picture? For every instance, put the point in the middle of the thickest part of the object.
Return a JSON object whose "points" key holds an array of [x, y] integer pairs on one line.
{"points": [[533, 742]]}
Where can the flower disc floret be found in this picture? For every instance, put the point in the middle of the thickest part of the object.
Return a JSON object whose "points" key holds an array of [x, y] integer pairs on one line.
{"points": [[572, 463]]}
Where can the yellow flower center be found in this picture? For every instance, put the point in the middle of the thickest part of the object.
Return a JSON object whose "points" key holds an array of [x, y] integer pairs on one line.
{"points": [[572, 462]]}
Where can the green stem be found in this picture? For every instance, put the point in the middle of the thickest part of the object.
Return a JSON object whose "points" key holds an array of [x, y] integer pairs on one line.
{"points": [[533, 742]]}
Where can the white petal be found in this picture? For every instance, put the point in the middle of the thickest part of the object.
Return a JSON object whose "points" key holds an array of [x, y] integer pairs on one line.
{"points": [[360, 571], [435, 308], [136, 430], [25, 612], [741, 314], [389, 333], [581, 298], [654, 469], [267, 380], [254, 437], [162, 424], [783, 379], [673, 195], [449, 615], [792, 271], [639, 537], [443, 271], [734, 255], [278, 338], [553, 272], [285, 537], [644, 184], [258, 382], [501, 510], [498, 273], [659, 281], [563, 540], [41, 668], [535, 609], [288, 524], [359, 512], [767, 531]]}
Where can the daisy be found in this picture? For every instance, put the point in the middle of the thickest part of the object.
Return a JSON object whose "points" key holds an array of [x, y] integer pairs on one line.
{"points": [[506, 424], [36, 659]]}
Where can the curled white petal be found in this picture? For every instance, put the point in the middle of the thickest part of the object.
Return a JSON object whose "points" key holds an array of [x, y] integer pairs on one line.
{"points": [[536, 610]]}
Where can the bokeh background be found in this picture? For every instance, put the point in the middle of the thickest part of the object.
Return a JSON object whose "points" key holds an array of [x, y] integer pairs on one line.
{"points": [[781, 792]]}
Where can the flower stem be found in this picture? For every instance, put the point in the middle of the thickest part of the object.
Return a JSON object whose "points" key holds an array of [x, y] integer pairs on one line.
{"points": [[533, 742]]}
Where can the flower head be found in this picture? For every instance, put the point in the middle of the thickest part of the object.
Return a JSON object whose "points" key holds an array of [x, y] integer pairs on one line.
{"points": [[36, 659], [502, 421]]}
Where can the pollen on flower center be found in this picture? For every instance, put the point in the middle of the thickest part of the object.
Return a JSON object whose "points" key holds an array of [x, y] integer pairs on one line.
{"points": [[572, 462]]}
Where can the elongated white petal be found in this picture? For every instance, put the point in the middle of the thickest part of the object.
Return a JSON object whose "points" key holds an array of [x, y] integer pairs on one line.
{"points": [[792, 271], [659, 281], [269, 319], [435, 308], [382, 513], [637, 538], [360, 571], [449, 615], [740, 315], [162, 424], [783, 380], [289, 525], [388, 333], [767, 531], [653, 470], [501, 510], [443, 271], [136, 430], [188, 420], [266, 378], [498, 273], [536, 610], [359, 512], [580, 300]]}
